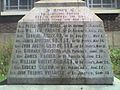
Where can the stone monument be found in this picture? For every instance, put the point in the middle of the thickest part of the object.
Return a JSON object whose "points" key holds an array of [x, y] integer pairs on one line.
{"points": [[60, 42]]}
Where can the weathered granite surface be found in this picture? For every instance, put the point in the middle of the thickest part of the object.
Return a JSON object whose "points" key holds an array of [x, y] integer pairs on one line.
{"points": [[62, 44], [115, 86]]}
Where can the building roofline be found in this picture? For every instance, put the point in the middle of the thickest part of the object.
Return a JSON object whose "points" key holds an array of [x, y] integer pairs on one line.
{"points": [[13, 12], [105, 10]]}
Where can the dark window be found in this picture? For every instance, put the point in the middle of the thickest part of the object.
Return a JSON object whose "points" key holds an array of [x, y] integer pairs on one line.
{"points": [[18, 4], [102, 3]]}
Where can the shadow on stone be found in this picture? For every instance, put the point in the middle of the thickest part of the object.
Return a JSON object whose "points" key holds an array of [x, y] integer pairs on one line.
{"points": [[4, 82]]}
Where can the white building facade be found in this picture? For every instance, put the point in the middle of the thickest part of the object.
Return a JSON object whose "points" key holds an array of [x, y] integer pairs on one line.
{"points": [[28, 4]]}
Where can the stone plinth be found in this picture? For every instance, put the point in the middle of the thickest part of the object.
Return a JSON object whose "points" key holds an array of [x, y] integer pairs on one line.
{"points": [[115, 86], [60, 42]]}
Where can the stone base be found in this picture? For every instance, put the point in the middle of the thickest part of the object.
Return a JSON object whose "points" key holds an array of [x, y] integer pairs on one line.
{"points": [[59, 81], [115, 86]]}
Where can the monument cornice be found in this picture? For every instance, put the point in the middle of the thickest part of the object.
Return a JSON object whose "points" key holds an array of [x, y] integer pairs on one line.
{"points": [[58, 3]]}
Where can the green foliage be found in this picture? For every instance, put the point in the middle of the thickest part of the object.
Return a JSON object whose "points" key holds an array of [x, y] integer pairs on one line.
{"points": [[5, 56], [115, 58]]}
